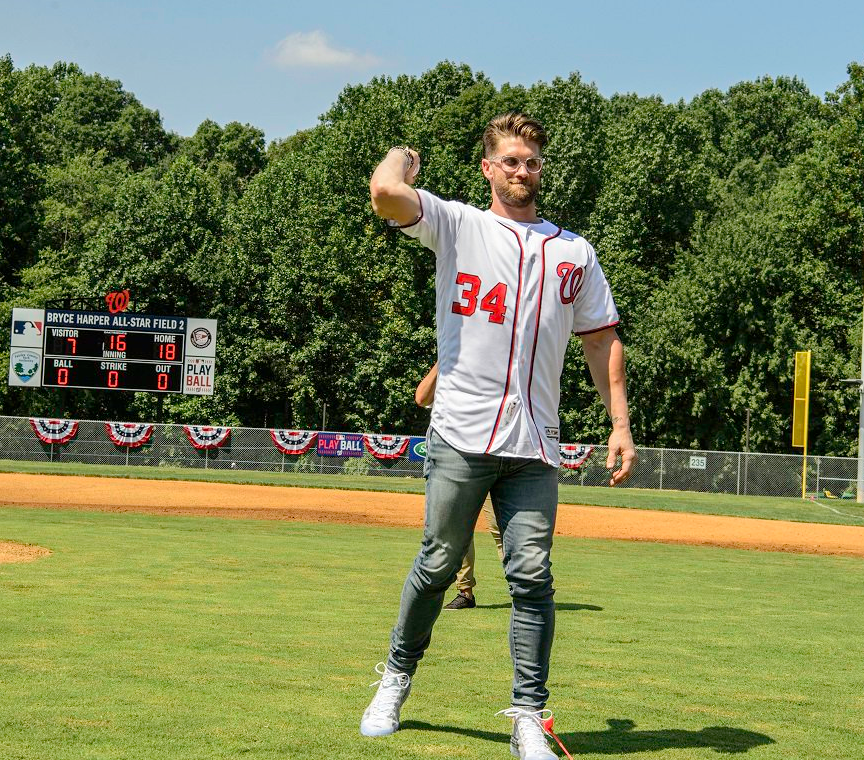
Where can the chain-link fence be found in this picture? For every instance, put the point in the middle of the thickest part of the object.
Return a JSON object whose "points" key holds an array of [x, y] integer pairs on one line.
{"points": [[254, 449]]}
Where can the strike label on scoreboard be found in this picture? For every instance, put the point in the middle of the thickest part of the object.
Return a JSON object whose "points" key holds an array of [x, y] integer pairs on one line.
{"points": [[58, 348]]}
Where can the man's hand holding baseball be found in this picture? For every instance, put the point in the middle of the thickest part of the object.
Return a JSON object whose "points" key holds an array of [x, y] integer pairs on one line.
{"points": [[390, 187], [411, 162]]}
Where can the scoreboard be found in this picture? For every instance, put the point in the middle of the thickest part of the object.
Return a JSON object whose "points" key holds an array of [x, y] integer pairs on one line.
{"points": [[127, 352]]}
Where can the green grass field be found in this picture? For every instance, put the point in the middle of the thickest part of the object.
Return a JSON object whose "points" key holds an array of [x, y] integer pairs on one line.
{"points": [[838, 512], [169, 637]]}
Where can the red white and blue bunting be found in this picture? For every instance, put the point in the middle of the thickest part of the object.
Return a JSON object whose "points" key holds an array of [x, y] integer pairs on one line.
{"points": [[54, 431], [574, 455], [386, 446], [131, 434], [207, 437], [293, 441]]}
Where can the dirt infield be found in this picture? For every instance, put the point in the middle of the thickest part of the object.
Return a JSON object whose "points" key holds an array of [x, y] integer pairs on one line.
{"points": [[405, 510]]}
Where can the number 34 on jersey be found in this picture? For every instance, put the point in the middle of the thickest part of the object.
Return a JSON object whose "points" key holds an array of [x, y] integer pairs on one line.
{"points": [[494, 301]]}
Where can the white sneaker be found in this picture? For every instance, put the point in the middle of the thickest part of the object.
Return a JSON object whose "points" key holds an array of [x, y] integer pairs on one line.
{"points": [[528, 741], [382, 716]]}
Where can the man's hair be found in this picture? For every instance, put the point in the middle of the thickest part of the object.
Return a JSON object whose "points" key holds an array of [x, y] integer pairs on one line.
{"points": [[512, 124]]}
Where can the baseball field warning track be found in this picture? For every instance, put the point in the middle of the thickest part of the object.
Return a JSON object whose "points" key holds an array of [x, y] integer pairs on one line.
{"points": [[406, 510]]}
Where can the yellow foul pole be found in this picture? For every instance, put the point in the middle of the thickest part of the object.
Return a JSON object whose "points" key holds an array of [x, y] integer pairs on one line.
{"points": [[801, 410]]}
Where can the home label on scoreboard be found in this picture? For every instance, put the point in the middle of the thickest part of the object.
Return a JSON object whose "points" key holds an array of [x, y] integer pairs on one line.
{"points": [[127, 351]]}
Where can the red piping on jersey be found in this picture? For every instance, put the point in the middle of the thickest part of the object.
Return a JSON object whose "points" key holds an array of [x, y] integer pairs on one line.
{"points": [[537, 334], [597, 329], [512, 337]]}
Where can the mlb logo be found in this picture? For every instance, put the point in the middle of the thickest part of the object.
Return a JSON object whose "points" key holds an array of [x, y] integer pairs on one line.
{"points": [[27, 327]]}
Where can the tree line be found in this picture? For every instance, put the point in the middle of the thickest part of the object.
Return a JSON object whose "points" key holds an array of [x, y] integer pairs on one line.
{"points": [[729, 226]]}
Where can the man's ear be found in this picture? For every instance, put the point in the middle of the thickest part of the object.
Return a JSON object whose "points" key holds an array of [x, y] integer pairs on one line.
{"points": [[486, 166]]}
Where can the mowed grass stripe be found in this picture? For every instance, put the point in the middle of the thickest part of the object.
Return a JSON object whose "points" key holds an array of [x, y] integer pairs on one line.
{"points": [[144, 636]]}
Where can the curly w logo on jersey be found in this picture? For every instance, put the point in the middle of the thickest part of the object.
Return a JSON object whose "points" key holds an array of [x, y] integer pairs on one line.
{"points": [[571, 281]]}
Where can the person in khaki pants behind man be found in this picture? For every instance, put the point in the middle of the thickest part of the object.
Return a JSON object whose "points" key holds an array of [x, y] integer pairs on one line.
{"points": [[465, 580]]}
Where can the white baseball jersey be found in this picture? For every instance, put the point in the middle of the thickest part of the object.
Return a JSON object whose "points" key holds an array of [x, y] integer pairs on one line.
{"points": [[508, 295]]}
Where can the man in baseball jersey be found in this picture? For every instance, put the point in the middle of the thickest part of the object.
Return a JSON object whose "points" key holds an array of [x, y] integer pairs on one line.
{"points": [[510, 289]]}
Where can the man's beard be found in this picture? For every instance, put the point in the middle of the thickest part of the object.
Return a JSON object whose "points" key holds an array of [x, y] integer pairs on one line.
{"points": [[516, 194]]}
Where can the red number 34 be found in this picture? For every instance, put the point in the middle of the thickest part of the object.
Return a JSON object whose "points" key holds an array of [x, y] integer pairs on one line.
{"points": [[492, 302]]}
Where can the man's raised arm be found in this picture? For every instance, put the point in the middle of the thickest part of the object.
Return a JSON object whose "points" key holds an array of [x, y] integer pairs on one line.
{"points": [[605, 356], [390, 186]]}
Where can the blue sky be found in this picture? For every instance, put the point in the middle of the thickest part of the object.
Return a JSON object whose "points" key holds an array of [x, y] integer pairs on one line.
{"points": [[280, 65]]}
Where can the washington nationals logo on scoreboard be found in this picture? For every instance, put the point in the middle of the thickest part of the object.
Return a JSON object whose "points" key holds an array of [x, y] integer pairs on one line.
{"points": [[118, 301]]}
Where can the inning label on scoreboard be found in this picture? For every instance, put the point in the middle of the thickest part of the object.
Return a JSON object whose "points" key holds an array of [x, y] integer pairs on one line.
{"points": [[95, 350]]}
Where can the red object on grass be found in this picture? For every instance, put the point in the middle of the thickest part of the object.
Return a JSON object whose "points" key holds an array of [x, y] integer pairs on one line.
{"points": [[547, 727]]}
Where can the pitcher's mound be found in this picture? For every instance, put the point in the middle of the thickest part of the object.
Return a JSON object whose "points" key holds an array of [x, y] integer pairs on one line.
{"points": [[12, 552]]}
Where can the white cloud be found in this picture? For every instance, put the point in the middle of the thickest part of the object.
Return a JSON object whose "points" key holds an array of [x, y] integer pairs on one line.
{"points": [[314, 50]]}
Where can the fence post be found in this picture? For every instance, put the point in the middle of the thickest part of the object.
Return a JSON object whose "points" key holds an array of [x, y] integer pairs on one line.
{"points": [[661, 469], [818, 462], [738, 486]]}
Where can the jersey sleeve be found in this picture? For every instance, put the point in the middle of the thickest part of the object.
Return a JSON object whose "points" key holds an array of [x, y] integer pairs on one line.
{"points": [[594, 308], [438, 224]]}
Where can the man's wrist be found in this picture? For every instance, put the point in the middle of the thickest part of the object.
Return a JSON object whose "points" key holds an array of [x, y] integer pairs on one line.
{"points": [[620, 421]]}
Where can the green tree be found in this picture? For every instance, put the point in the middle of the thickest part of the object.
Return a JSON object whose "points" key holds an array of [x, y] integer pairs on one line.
{"points": [[233, 155], [20, 176], [655, 186]]}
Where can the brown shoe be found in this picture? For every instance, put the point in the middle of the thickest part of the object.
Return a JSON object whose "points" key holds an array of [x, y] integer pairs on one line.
{"points": [[461, 602]]}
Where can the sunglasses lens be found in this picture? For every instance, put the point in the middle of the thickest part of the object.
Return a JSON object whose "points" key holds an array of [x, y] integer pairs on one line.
{"points": [[533, 164], [511, 162]]}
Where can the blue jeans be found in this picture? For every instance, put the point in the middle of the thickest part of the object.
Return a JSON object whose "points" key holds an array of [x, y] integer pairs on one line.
{"points": [[525, 497]]}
